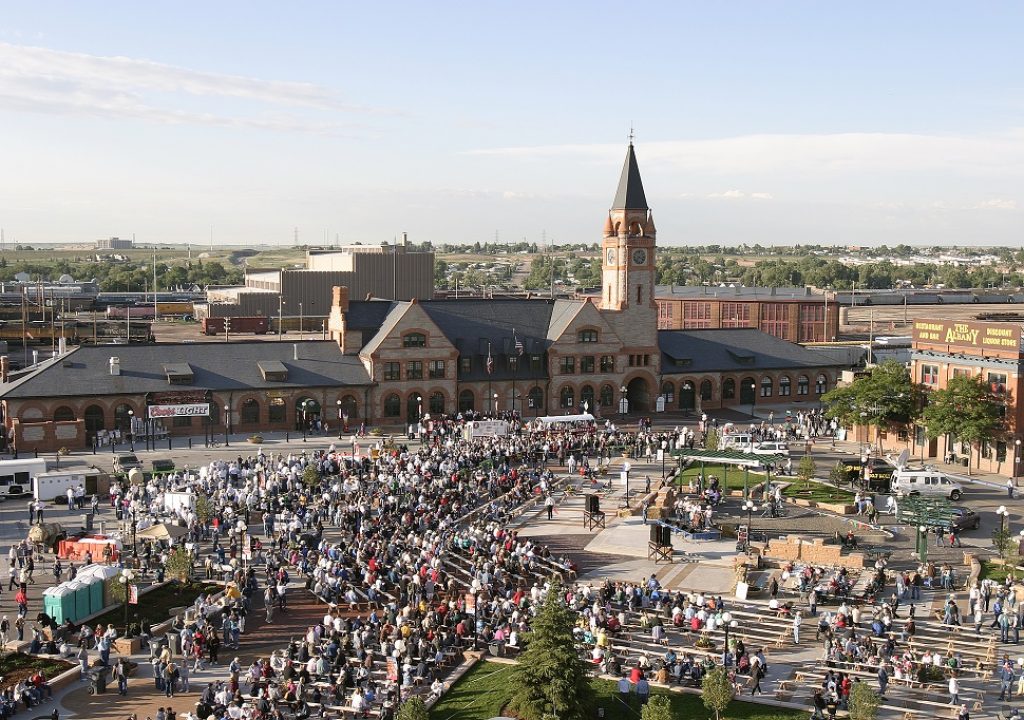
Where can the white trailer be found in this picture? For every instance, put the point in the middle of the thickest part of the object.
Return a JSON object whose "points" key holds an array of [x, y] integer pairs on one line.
{"points": [[16, 475], [54, 485]]}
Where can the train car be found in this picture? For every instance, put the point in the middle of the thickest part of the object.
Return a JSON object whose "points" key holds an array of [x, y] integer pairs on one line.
{"points": [[217, 326], [131, 312], [175, 308]]}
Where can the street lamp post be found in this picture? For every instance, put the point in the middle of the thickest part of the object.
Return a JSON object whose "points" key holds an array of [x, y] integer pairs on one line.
{"points": [[753, 397], [125, 578], [227, 426], [1016, 460], [494, 406], [623, 401], [728, 623], [131, 429], [305, 412], [750, 507], [1003, 513], [687, 387], [664, 451], [342, 420]]}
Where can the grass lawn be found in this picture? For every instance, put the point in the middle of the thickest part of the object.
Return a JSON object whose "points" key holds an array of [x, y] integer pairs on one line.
{"points": [[733, 480], [996, 571], [154, 606], [483, 692], [817, 492]]}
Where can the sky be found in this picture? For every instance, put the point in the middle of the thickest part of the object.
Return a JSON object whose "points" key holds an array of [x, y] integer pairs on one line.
{"points": [[755, 122]]}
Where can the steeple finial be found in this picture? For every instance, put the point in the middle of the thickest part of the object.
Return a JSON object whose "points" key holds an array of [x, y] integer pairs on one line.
{"points": [[631, 134]]}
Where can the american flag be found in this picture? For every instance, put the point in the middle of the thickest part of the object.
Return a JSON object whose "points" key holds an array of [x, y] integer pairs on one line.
{"points": [[490, 360]]}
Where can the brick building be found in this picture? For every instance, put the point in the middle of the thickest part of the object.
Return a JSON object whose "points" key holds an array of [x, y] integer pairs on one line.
{"points": [[391, 362], [795, 314]]}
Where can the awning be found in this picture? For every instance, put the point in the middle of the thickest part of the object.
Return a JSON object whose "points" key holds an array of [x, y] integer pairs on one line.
{"points": [[728, 457], [162, 531]]}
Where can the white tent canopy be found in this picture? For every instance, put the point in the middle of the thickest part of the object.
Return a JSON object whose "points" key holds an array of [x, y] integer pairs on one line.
{"points": [[557, 419]]}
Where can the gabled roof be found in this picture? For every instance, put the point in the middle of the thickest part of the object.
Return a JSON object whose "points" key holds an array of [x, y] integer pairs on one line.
{"points": [[368, 314], [215, 366], [630, 194], [390, 321], [733, 350], [562, 315]]}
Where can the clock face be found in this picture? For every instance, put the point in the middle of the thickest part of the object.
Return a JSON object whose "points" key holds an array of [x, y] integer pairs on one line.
{"points": [[611, 256], [639, 256]]}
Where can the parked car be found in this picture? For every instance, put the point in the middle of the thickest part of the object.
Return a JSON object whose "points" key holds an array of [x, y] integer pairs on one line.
{"points": [[771, 448], [964, 518], [125, 462]]}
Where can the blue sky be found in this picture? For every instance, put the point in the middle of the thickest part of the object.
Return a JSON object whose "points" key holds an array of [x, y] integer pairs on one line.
{"points": [[755, 122]]}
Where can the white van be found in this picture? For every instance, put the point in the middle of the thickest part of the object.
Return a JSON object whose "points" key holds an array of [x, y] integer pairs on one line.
{"points": [[908, 483], [742, 442], [771, 448]]}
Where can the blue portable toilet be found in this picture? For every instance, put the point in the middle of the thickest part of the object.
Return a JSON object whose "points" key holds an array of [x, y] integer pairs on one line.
{"points": [[95, 585], [59, 603], [81, 593]]}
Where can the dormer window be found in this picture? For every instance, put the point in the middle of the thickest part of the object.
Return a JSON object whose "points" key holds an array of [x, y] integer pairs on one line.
{"points": [[414, 340], [587, 336]]}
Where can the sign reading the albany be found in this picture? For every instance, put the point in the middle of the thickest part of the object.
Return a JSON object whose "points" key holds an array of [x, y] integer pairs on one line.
{"points": [[978, 335]]}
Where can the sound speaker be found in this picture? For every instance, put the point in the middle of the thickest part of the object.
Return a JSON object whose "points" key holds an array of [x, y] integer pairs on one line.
{"points": [[656, 534], [593, 504], [666, 535]]}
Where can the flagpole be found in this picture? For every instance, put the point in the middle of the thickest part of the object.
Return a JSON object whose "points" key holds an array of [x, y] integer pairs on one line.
{"points": [[490, 369]]}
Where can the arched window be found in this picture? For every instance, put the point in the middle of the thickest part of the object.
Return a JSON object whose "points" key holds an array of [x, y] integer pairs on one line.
{"points": [[803, 385], [277, 410], [536, 399], [705, 391], [349, 407], [93, 419], [392, 406], [567, 398], [766, 386], [784, 387], [63, 414], [437, 403], [414, 339], [250, 412], [123, 417], [587, 397], [821, 386], [607, 395], [669, 391], [466, 401], [729, 389]]}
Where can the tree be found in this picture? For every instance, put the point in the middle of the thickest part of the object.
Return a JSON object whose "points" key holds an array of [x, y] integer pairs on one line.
{"points": [[883, 397], [864, 702], [550, 677], [311, 476], [716, 691], [805, 471], [657, 708], [413, 709], [179, 564], [204, 508], [966, 408], [711, 440]]}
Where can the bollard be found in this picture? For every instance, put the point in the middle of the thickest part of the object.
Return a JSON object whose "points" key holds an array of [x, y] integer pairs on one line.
{"points": [[168, 441], [36, 451], [190, 443]]}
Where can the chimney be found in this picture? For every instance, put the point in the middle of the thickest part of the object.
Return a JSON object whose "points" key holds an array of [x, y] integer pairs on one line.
{"points": [[115, 366], [295, 351], [405, 238], [5, 368]]}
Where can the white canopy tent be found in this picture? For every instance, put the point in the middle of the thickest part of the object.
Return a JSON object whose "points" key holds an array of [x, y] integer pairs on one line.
{"points": [[559, 419]]}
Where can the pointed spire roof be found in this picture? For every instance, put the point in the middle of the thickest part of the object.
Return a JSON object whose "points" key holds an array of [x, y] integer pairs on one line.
{"points": [[630, 195]]}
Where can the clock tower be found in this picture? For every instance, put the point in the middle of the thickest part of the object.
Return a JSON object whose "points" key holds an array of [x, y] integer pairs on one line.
{"points": [[628, 246]]}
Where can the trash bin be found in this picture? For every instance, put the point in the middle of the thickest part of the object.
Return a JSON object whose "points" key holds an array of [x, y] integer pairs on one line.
{"points": [[87, 522]]}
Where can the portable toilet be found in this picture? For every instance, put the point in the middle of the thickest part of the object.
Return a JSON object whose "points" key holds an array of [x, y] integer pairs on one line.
{"points": [[95, 585], [59, 603], [107, 576], [81, 594]]}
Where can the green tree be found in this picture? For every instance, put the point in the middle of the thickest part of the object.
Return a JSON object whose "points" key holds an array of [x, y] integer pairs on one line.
{"points": [[805, 470], [711, 440], [657, 708], [882, 398], [311, 476], [179, 564], [550, 677], [839, 474], [413, 709], [966, 408], [864, 702], [204, 508], [716, 691]]}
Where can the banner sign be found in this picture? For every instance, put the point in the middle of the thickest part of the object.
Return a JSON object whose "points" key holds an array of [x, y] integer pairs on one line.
{"points": [[190, 410], [974, 335], [133, 594]]}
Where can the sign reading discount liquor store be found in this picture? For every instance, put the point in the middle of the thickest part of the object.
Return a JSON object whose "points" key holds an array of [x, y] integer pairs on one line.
{"points": [[189, 410], [1006, 336]]}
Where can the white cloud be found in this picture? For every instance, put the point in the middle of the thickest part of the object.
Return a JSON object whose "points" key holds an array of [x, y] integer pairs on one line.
{"points": [[993, 204], [739, 195], [39, 79]]}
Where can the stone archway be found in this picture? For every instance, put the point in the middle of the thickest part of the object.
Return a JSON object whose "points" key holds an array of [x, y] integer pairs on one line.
{"points": [[638, 392]]}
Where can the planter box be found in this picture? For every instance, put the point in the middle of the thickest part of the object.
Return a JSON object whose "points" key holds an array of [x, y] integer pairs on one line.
{"points": [[125, 646], [67, 677]]}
